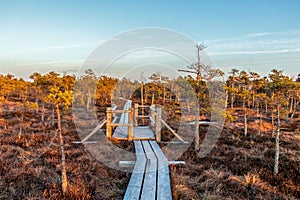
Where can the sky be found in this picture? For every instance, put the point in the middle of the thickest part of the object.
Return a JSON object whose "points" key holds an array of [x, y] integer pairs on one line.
{"points": [[251, 35]]}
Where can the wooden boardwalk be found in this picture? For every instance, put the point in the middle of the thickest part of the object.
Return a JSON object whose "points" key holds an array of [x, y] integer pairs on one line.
{"points": [[150, 178], [139, 133]]}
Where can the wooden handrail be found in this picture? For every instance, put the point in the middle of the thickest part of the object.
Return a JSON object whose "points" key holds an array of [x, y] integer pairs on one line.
{"points": [[152, 109], [172, 131], [158, 124], [100, 125], [120, 111], [152, 120], [117, 124], [140, 106], [143, 116]]}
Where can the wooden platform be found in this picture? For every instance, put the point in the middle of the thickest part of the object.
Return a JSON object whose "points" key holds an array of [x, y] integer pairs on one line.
{"points": [[139, 133], [150, 178]]}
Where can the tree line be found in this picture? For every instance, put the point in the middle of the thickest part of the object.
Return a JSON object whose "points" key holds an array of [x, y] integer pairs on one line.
{"points": [[275, 95]]}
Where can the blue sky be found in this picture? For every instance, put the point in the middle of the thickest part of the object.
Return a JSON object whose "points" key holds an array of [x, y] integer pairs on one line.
{"points": [[255, 35]]}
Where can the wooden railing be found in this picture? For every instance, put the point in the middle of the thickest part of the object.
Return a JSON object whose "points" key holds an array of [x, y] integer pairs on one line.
{"points": [[112, 122], [129, 118], [156, 120], [154, 117]]}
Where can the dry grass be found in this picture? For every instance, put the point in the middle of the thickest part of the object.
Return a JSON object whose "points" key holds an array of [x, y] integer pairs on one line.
{"points": [[237, 168]]}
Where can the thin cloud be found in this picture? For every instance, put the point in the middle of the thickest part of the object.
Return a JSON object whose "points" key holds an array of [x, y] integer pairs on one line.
{"points": [[256, 52], [259, 34], [52, 62], [68, 46]]}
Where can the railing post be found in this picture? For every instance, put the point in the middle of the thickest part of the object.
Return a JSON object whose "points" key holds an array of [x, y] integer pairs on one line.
{"points": [[130, 122], [109, 119], [136, 114], [152, 114], [158, 124]]}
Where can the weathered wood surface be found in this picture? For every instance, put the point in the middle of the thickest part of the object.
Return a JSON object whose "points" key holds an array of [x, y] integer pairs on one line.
{"points": [[152, 167], [150, 179], [136, 181], [149, 186], [139, 133], [122, 131], [163, 177]]}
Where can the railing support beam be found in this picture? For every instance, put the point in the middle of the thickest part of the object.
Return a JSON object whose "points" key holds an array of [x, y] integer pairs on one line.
{"points": [[158, 124], [109, 120]]}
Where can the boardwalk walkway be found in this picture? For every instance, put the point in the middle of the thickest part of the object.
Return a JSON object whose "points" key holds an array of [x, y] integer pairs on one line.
{"points": [[150, 178]]}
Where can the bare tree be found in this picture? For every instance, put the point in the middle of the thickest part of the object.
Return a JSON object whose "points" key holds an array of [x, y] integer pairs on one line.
{"points": [[203, 73]]}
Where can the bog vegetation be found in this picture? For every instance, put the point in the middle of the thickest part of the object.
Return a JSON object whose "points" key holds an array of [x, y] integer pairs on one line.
{"points": [[257, 156]]}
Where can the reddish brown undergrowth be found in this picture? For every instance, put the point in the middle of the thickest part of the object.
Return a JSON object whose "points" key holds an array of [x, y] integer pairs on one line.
{"points": [[240, 167], [30, 165]]}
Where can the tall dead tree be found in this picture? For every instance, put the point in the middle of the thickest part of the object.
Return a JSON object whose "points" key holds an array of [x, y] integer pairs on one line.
{"points": [[196, 69], [203, 72]]}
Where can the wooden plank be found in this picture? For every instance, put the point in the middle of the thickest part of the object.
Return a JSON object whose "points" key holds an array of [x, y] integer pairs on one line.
{"points": [[136, 181], [158, 124], [136, 113], [125, 163], [87, 142], [98, 127], [152, 121], [119, 124], [115, 119], [163, 177], [172, 131], [173, 142], [122, 132], [144, 138], [140, 132], [140, 106], [152, 108], [149, 186], [120, 111], [176, 162], [143, 116], [108, 121]]}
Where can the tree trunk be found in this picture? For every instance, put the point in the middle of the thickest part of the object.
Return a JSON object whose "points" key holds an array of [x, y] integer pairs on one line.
{"points": [[88, 101], [231, 100], [287, 114], [188, 105], [260, 118], [276, 163], [291, 105], [43, 111], [260, 123], [294, 109], [245, 117], [52, 114], [142, 101], [152, 100], [245, 123], [64, 179], [164, 95], [197, 137], [226, 98], [37, 100], [273, 125]]}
